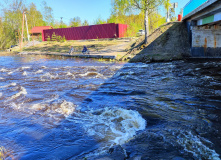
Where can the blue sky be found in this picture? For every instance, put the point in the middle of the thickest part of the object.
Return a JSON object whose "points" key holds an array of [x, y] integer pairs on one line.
{"points": [[86, 9]]}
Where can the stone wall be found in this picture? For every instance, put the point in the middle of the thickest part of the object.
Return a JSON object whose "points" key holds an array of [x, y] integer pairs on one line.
{"points": [[206, 41]]}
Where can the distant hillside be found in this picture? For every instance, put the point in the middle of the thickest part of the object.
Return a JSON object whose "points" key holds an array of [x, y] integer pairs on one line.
{"points": [[168, 42]]}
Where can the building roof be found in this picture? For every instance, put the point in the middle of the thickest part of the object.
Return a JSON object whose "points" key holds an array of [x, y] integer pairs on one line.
{"points": [[39, 29]]}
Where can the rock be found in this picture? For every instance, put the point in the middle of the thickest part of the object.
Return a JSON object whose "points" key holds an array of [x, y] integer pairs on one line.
{"points": [[114, 153]]}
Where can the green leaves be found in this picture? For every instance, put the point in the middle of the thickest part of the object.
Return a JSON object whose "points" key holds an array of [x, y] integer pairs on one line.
{"points": [[75, 22], [11, 21]]}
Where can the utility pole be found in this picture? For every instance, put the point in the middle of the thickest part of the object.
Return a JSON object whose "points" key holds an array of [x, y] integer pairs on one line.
{"points": [[61, 21], [22, 30], [27, 28]]}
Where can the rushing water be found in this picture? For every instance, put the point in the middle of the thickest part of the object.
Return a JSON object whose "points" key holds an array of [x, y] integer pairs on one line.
{"points": [[62, 108]]}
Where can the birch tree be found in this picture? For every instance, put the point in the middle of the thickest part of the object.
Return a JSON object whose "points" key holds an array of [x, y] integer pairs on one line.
{"points": [[167, 5], [146, 6]]}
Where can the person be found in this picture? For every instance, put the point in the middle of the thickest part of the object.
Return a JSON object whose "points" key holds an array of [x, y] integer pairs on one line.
{"points": [[71, 50], [84, 51]]}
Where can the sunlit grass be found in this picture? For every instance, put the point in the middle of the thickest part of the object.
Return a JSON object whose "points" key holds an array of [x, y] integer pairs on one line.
{"points": [[64, 47]]}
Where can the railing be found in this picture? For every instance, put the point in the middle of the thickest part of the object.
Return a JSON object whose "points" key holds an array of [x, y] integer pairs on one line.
{"points": [[193, 4]]}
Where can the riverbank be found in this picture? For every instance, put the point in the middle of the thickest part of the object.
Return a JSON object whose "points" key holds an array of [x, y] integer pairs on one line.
{"points": [[99, 49], [167, 43]]}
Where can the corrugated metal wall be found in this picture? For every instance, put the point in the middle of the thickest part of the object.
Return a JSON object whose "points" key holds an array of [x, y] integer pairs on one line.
{"points": [[101, 31], [193, 4], [122, 29]]}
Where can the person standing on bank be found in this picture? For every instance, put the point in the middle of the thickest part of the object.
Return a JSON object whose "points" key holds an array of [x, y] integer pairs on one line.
{"points": [[71, 50]]}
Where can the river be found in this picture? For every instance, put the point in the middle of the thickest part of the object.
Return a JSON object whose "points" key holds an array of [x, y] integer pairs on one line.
{"points": [[66, 108]]}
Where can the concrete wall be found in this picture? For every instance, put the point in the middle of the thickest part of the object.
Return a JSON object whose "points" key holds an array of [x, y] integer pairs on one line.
{"points": [[206, 41]]}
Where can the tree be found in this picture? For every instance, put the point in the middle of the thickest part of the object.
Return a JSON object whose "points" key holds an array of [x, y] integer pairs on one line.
{"points": [[75, 22], [135, 22], [48, 14], [145, 6], [34, 17], [172, 14], [167, 5], [85, 23], [11, 22], [99, 21]]}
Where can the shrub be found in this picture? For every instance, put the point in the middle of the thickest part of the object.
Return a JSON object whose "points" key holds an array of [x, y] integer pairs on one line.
{"points": [[53, 37]]}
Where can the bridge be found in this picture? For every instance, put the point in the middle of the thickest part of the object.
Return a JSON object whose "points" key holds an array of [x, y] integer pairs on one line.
{"points": [[203, 20]]}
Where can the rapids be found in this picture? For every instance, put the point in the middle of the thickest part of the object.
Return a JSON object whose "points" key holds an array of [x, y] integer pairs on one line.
{"points": [[64, 108]]}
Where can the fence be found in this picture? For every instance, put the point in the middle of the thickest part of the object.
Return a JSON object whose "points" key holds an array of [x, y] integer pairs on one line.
{"points": [[193, 4], [101, 31]]}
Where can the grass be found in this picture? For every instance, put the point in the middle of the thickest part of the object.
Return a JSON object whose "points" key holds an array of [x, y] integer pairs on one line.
{"points": [[64, 47]]}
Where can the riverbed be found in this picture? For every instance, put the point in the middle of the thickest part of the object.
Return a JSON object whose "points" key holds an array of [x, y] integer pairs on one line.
{"points": [[66, 108]]}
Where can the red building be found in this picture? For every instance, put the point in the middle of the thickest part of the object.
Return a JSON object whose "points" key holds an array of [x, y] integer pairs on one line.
{"points": [[100, 31], [36, 31]]}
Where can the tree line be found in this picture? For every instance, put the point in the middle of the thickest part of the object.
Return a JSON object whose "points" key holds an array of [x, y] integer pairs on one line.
{"points": [[138, 14]]}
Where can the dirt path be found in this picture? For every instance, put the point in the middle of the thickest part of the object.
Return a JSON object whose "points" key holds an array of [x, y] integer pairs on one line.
{"points": [[115, 50]]}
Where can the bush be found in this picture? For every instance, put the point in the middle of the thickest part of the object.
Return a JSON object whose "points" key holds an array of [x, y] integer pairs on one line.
{"points": [[54, 38]]}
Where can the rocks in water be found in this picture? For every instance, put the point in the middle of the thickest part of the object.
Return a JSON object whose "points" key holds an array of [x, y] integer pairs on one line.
{"points": [[114, 153]]}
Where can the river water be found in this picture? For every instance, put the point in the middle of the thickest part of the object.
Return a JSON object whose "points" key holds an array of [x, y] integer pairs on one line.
{"points": [[64, 108]]}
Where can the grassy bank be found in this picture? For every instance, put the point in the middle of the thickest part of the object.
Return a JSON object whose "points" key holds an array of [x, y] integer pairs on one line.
{"points": [[168, 42], [64, 47]]}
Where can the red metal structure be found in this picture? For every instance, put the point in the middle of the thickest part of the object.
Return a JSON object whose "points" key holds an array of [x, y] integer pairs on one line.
{"points": [[39, 29], [101, 31]]}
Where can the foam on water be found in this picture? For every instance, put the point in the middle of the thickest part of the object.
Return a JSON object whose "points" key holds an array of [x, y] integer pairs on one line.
{"points": [[38, 71], [70, 74], [61, 107], [115, 125], [91, 74], [22, 91], [48, 76], [25, 67], [193, 144], [66, 108], [9, 85], [3, 70], [24, 73]]}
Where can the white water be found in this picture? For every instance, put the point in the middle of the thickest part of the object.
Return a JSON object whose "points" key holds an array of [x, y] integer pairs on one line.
{"points": [[114, 125]]}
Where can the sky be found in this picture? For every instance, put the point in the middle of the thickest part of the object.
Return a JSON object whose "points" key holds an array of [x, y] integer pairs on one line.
{"points": [[88, 10]]}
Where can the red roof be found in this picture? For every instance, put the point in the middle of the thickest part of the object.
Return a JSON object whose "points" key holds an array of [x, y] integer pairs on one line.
{"points": [[40, 28]]}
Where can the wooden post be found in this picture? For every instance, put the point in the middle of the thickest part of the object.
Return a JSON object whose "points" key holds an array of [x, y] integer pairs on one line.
{"points": [[22, 30], [19, 38], [32, 39]]}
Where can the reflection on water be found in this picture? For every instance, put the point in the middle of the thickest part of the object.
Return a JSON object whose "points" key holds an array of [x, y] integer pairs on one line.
{"points": [[72, 108]]}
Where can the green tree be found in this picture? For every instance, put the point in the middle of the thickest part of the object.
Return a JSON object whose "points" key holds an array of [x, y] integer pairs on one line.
{"points": [[167, 5], [11, 22], [34, 17], [75, 22], [48, 14], [85, 23], [63, 25], [99, 21], [145, 6]]}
